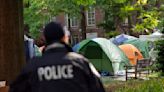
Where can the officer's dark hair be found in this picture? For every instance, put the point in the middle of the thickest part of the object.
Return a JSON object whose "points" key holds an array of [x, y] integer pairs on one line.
{"points": [[53, 32]]}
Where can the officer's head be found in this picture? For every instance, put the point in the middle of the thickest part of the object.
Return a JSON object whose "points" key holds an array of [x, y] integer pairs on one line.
{"points": [[54, 32]]}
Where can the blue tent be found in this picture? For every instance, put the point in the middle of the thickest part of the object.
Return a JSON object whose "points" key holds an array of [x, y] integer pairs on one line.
{"points": [[75, 47], [120, 39]]}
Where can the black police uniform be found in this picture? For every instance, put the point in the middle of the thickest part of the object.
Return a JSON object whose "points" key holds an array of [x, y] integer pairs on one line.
{"points": [[58, 70]]}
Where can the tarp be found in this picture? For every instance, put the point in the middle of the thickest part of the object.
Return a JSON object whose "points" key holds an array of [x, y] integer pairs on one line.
{"points": [[118, 40], [157, 33], [131, 52], [152, 37], [143, 46], [103, 54]]}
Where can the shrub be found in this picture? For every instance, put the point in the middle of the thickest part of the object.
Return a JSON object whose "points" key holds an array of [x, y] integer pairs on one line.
{"points": [[160, 58], [112, 34], [155, 85]]}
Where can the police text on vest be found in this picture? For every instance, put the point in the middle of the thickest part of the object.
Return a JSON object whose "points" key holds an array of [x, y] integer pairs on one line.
{"points": [[55, 72]]}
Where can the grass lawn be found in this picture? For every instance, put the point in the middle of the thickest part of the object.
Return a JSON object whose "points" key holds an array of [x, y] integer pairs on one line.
{"points": [[155, 84]]}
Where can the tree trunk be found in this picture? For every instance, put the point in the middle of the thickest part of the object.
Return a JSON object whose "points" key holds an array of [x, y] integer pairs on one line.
{"points": [[70, 30], [129, 32], [83, 22], [118, 24], [11, 39]]}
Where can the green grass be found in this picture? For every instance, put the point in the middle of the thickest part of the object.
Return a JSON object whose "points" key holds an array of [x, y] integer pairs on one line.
{"points": [[154, 75], [152, 85]]}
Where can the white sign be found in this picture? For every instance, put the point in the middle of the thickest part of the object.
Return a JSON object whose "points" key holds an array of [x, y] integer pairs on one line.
{"points": [[2, 83]]}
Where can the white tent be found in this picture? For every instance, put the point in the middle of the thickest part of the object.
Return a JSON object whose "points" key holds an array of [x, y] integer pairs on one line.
{"points": [[152, 37], [157, 33]]}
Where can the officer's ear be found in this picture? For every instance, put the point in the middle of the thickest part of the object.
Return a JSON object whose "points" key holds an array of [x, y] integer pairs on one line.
{"points": [[65, 39], [66, 35]]}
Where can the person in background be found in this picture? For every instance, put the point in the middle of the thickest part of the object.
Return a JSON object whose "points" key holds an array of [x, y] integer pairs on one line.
{"points": [[31, 49], [59, 69]]}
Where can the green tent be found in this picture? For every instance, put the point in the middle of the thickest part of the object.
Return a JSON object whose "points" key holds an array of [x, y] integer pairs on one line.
{"points": [[103, 54], [143, 46]]}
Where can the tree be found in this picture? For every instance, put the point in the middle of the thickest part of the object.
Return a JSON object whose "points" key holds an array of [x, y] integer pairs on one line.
{"points": [[39, 12], [148, 15], [11, 37], [161, 22], [115, 11], [141, 14]]}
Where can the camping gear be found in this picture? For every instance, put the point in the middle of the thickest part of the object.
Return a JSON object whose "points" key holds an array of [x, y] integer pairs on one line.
{"points": [[103, 54], [131, 52], [152, 37], [142, 46], [118, 40]]}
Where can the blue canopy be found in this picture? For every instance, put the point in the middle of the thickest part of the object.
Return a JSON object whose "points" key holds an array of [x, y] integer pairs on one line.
{"points": [[120, 39], [76, 47]]}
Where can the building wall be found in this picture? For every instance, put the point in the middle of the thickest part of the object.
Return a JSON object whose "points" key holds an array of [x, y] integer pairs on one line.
{"points": [[76, 32]]}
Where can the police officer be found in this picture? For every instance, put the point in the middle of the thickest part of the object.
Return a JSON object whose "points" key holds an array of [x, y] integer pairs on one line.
{"points": [[59, 69]]}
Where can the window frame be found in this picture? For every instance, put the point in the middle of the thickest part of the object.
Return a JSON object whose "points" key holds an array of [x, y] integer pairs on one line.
{"points": [[93, 23], [71, 21]]}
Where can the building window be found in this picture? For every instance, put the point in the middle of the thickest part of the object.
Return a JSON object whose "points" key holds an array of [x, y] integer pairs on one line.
{"points": [[91, 16], [125, 22], [73, 21]]}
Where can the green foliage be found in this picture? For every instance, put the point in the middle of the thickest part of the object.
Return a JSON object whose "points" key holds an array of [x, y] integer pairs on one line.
{"points": [[161, 22], [112, 34], [149, 21], [161, 25], [126, 11], [146, 86], [108, 24], [38, 12], [160, 58], [148, 16], [147, 13], [142, 2], [115, 12], [85, 2]]}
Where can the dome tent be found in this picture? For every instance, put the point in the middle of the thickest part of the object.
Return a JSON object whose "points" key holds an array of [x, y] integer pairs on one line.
{"points": [[103, 54], [131, 52], [143, 46]]}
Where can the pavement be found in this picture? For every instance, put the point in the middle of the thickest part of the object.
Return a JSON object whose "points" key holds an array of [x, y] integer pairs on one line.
{"points": [[121, 76]]}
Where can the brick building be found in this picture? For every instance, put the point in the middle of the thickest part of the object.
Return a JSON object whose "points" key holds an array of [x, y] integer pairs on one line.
{"points": [[94, 16]]}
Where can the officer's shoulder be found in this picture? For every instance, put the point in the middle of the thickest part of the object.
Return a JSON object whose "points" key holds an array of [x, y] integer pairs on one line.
{"points": [[75, 56]]}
